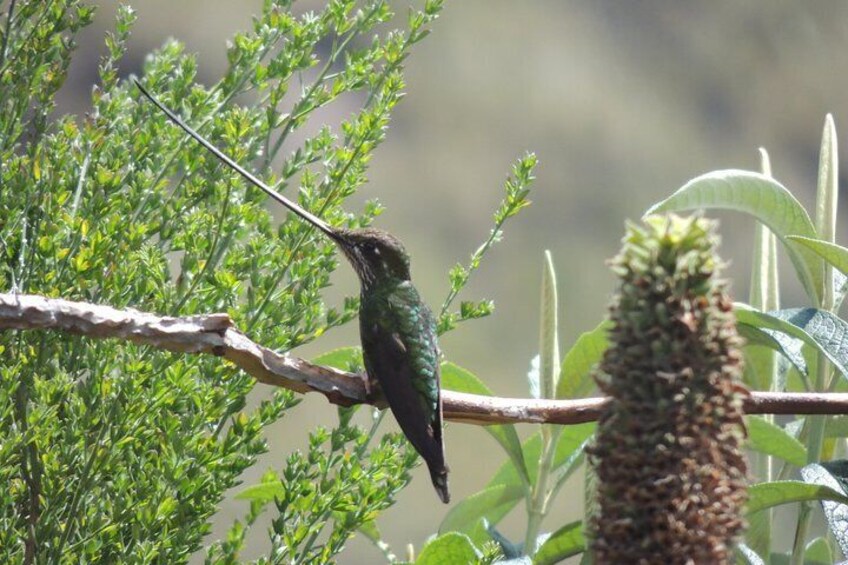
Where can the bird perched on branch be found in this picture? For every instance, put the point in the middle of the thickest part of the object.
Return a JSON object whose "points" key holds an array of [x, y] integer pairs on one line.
{"points": [[396, 327]]}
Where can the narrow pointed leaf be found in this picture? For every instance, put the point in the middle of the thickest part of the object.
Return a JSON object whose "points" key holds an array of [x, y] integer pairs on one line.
{"points": [[765, 437], [534, 378], [769, 495], [575, 379], [761, 363], [829, 332], [788, 346], [765, 282], [456, 378], [833, 254], [827, 197], [548, 338], [762, 197], [575, 460], [563, 543], [820, 330]]}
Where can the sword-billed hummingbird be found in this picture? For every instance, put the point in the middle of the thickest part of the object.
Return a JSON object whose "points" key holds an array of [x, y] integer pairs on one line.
{"points": [[397, 329]]}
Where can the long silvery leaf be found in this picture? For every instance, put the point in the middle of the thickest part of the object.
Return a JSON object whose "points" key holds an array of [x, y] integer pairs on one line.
{"points": [[548, 329], [786, 345], [827, 198], [818, 329], [832, 474], [833, 254], [775, 493], [829, 331], [762, 197]]}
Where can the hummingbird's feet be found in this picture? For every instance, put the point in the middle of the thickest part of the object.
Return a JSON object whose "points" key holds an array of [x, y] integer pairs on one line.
{"points": [[366, 380], [372, 388]]}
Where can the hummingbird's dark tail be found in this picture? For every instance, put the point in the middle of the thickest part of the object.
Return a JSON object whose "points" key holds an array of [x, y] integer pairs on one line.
{"points": [[440, 482]]}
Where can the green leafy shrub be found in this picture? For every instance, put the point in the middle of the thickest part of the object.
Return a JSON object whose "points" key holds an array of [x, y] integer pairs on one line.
{"points": [[114, 452]]}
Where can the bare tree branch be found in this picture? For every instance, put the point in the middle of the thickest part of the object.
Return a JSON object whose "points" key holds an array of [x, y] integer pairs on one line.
{"points": [[215, 334]]}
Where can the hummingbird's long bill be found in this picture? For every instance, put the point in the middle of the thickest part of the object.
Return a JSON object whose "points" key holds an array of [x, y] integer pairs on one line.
{"points": [[309, 217]]}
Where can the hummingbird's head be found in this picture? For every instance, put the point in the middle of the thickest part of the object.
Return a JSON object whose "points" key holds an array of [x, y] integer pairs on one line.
{"points": [[375, 254]]}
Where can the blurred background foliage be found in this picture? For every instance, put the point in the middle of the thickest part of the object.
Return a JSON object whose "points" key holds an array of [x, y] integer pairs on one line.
{"points": [[622, 102]]}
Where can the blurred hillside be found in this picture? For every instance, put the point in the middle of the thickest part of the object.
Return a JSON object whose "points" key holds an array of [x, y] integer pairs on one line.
{"points": [[622, 101]]}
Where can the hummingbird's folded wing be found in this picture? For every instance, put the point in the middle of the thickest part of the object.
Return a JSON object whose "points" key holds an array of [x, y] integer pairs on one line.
{"points": [[400, 350]]}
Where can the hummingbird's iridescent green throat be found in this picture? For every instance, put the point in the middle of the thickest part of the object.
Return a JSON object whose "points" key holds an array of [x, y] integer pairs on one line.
{"points": [[397, 329]]}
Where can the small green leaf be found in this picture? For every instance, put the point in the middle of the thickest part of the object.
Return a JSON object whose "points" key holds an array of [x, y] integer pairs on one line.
{"points": [[575, 379], [265, 491], [343, 359], [765, 437], [563, 543], [768, 495], [448, 548], [818, 551], [371, 531]]}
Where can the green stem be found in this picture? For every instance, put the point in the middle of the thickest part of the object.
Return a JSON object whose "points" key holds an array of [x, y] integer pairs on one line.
{"points": [[5, 46], [537, 505], [210, 259], [826, 208], [815, 442], [481, 251], [306, 233], [288, 126], [29, 471]]}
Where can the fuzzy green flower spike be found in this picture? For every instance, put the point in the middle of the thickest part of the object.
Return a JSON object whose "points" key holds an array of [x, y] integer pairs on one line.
{"points": [[668, 456]]}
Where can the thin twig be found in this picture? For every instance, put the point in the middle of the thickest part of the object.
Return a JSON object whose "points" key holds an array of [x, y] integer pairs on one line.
{"points": [[215, 334], [9, 14]]}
